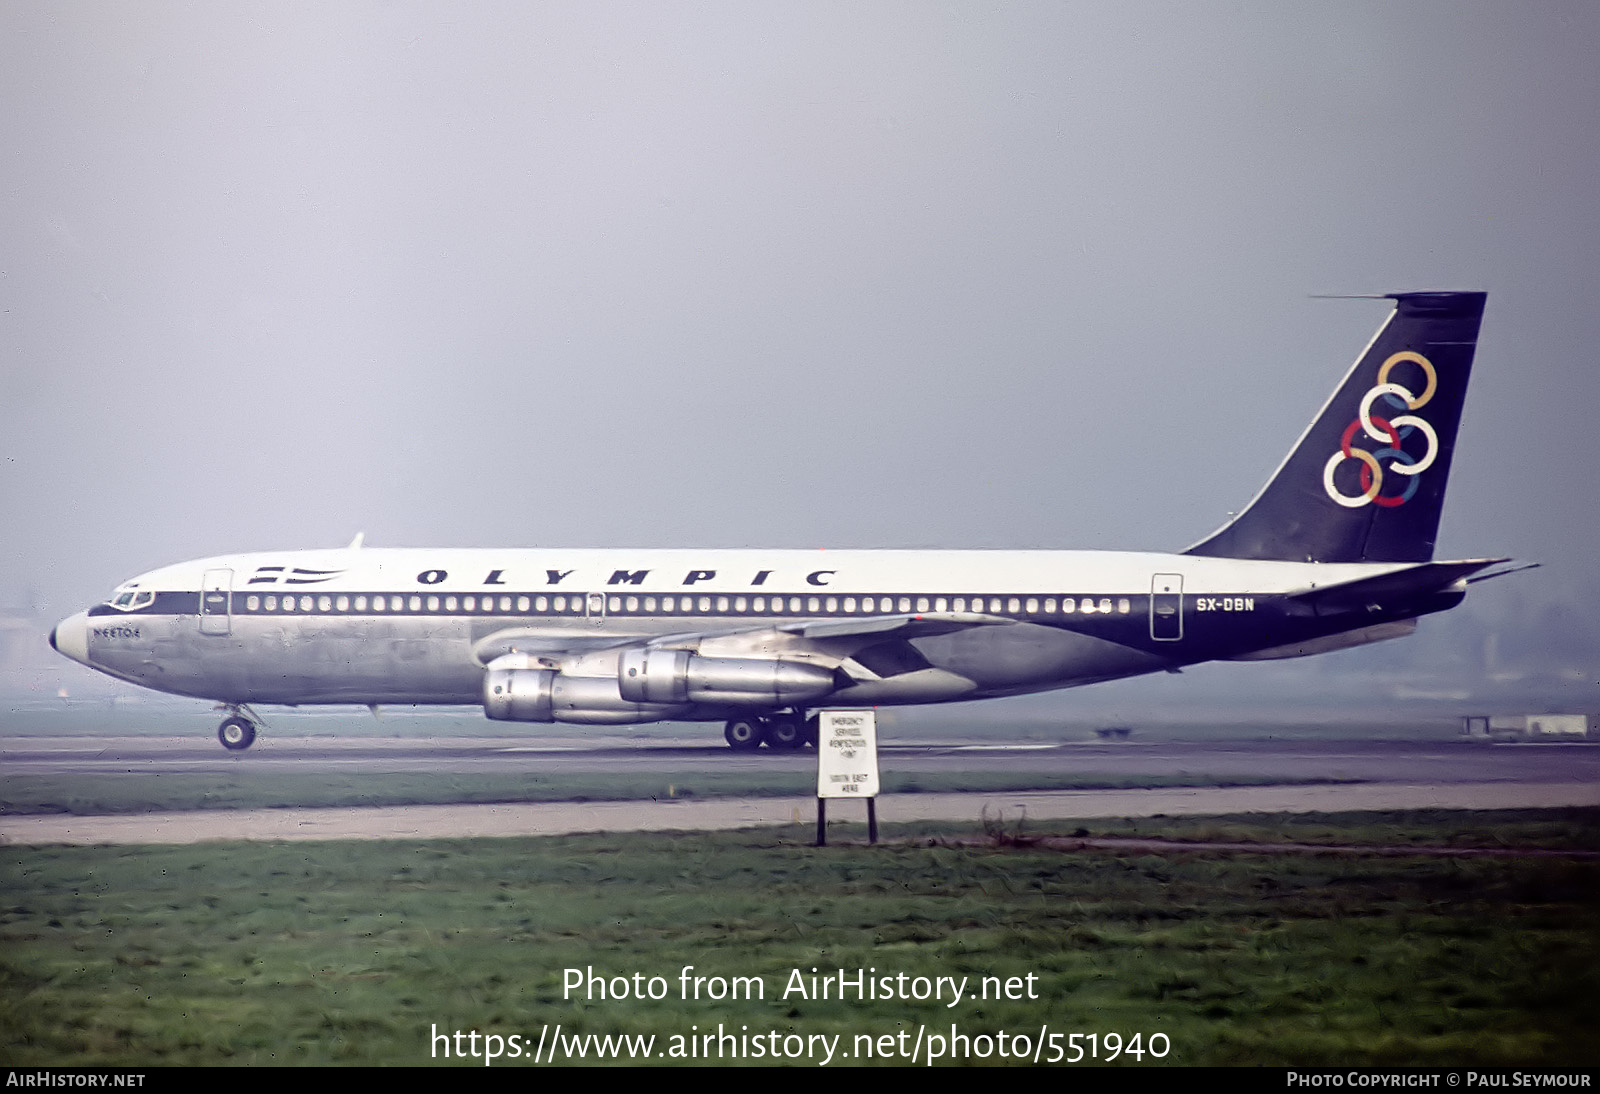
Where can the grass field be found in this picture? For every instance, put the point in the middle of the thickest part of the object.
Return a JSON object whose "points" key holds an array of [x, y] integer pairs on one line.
{"points": [[358, 952]]}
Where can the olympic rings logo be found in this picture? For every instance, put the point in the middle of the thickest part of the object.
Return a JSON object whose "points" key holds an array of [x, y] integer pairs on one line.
{"points": [[1390, 431]]}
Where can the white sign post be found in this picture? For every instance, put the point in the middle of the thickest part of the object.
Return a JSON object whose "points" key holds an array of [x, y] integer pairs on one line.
{"points": [[847, 764]]}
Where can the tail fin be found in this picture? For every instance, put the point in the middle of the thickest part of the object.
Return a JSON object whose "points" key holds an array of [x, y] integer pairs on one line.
{"points": [[1365, 482]]}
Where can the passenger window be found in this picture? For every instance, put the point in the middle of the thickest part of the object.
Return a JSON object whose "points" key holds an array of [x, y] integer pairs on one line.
{"points": [[739, 603], [649, 603], [416, 603], [938, 604], [849, 604], [705, 603], [343, 603], [541, 604], [505, 603], [633, 603], [433, 603], [833, 604], [560, 603], [377, 603], [449, 603], [305, 603], [361, 603], [667, 603], [1068, 606], [722, 603], [324, 604], [813, 605], [1033, 605], [522, 604], [1123, 607], [1049, 604], [251, 603], [396, 604], [761, 604], [922, 603], [615, 604], [1105, 603]]}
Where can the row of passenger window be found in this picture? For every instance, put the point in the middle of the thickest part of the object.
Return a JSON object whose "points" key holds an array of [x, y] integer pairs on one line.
{"points": [[596, 603], [363, 604]]}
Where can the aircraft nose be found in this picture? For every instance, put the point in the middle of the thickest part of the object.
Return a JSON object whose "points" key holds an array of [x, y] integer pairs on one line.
{"points": [[70, 637]]}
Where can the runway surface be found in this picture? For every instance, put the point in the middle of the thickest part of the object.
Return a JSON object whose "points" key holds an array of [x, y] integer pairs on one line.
{"points": [[1266, 759], [1370, 774], [564, 818]]}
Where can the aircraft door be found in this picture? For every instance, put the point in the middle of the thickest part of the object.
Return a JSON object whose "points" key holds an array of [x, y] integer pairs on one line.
{"points": [[216, 602], [1166, 607]]}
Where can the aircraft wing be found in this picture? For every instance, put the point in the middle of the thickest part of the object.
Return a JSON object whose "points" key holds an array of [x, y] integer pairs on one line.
{"points": [[822, 639], [542, 644], [919, 625], [824, 642]]}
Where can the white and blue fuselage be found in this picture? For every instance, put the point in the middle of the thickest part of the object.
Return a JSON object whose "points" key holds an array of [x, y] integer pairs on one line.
{"points": [[1335, 551]]}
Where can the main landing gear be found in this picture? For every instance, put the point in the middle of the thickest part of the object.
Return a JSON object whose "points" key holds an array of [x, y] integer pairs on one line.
{"points": [[787, 730], [237, 731]]}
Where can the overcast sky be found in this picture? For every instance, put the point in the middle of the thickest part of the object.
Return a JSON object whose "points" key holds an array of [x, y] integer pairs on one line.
{"points": [[842, 274]]}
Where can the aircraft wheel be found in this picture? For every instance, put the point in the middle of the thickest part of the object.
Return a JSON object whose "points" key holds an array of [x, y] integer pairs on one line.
{"points": [[744, 734], [237, 734], [783, 731]]}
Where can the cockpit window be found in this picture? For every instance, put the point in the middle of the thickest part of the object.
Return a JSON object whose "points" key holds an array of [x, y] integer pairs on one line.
{"points": [[129, 600]]}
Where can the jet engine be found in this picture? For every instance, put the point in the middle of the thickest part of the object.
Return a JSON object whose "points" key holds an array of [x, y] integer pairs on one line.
{"points": [[678, 676], [649, 686], [515, 690]]}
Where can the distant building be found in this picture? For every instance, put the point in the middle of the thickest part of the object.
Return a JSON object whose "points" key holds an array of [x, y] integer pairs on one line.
{"points": [[1531, 727]]}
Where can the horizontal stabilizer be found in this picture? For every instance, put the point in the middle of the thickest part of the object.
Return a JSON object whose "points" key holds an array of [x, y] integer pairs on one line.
{"points": [[1399, 585], [1504, 573]]}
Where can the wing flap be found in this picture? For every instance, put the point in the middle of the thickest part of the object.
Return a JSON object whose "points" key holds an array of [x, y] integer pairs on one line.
{"points": [[920, 625]]}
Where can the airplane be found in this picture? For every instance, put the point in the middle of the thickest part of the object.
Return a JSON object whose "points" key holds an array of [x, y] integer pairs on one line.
{"points": [[1335, 551]]}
